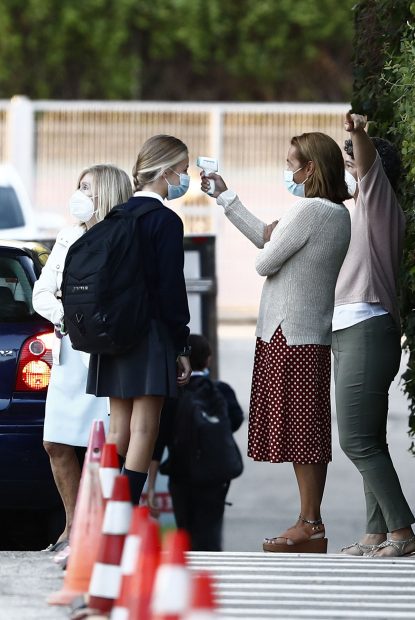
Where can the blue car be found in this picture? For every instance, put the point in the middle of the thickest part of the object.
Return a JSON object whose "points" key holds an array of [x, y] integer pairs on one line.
{"points": [[26, 483]]}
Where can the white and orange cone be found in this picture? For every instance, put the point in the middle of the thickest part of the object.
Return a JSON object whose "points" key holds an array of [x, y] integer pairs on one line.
{"points": [[172, 585], [129, 559], [142, 581], [109, 469], [106, 575], [86, 529], [202, 599], [96, 442]]}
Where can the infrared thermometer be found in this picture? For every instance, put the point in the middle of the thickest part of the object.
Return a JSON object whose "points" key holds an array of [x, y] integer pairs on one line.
{"points": [[208, 165]]}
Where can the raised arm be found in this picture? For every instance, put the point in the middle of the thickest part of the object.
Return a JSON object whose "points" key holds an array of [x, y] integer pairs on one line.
{"points": [[364, 151], [252, 227]]}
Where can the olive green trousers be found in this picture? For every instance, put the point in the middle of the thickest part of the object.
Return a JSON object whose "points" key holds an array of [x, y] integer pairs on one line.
{"points": [[366, 359]]}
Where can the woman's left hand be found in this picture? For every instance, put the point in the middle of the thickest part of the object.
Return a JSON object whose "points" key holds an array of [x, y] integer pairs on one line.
{"points": [[268, 230], [184, 370]]}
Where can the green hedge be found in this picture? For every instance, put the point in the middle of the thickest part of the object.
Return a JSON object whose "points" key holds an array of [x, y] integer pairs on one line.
{"points": [[384, 89]]}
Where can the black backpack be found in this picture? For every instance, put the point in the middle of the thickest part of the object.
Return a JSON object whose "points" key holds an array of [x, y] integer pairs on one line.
{"points": [[104, 292], [203, 448]]}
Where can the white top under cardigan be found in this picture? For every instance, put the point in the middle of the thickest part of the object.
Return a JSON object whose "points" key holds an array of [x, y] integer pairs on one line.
{"points": [[301, 263]]}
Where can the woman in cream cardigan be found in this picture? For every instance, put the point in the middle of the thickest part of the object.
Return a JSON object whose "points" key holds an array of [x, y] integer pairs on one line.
{"points": [[289, 417], [69, 410]]}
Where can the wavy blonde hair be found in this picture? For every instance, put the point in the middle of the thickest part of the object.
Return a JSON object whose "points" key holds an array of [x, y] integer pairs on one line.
{"points": [[327, 181], [157, 155], [111, 187]]}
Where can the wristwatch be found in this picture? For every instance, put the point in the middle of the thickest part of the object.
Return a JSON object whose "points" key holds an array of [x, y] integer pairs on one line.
{"points": [[185, 352]]}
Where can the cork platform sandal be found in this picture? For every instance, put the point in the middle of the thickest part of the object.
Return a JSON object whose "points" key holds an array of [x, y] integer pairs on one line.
{"points": [[304, 537]]}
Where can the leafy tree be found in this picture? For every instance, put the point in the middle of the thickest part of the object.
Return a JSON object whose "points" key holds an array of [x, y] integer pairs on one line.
{"points": [[66, 49], [176, 49]]}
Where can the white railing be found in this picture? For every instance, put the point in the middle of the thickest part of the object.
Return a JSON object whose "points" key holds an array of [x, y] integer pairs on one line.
{"points": [[50, 142]]}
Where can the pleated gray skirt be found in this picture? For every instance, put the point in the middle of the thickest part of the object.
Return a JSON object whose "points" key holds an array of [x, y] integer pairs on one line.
{"points": [[149, 369]]}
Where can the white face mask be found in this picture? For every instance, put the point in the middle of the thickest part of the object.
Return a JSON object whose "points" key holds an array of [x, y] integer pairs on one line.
{"points": [[350, 182], [81, 206]]}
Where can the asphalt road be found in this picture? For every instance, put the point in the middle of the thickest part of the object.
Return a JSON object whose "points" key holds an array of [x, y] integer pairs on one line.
{"points": [[265, 498]]}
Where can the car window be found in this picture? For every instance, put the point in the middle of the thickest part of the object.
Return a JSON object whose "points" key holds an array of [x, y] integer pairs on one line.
{"points": [[11, 215], [15, 292]]}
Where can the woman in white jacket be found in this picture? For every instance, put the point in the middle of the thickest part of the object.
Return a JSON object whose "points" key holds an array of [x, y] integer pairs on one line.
{"points": [[69, 410]]}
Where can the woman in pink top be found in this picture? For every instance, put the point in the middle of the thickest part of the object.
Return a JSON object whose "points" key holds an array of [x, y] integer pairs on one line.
{"points": [[366, 338]]}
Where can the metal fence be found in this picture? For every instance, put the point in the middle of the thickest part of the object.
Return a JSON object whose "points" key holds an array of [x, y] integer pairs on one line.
{"points": [[250, 141]]}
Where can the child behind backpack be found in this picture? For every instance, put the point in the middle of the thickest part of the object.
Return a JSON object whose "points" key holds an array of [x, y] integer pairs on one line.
{"points": [[203, 456]]}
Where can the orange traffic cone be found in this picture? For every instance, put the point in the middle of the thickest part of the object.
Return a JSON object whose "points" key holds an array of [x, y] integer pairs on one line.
{"points": [[106, 575], [172, 584], [202, 599], [142, 582], [85, 537], [109, 469], [86, 528], [130, 554], [96, 442]]}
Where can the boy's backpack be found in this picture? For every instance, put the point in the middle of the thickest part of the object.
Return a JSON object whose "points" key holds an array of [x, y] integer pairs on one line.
{"points": [[104, 292], [203, 448]]}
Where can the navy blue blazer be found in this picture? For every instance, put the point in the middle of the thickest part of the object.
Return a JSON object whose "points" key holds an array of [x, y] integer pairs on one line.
{"points": [[161, 238]]}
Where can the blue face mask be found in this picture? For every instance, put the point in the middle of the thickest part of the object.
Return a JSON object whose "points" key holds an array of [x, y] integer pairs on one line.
{"points": [[297, 189], [176, 191]]}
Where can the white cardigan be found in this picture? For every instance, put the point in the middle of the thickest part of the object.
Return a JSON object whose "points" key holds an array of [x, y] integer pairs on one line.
{"points": [[301, 263], [47, 287]]}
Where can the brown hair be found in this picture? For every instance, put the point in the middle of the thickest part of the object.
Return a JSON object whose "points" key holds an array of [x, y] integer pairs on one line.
{"points": [[327, 180], [155, 157]]}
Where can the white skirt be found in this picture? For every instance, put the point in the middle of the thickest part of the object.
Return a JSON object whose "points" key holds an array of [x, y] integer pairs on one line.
{"points": [[69, 410]]}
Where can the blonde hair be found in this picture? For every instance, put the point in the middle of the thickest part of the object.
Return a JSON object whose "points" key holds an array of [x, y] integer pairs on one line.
{"points": [[327, 181], [155, 157], [111, 187]]}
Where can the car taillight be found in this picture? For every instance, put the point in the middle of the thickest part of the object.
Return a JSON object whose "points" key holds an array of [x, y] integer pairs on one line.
{"points": [[35, 363]]}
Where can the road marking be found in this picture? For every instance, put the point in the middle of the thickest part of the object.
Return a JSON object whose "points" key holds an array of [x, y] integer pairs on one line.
{"points": [[259, 586]]}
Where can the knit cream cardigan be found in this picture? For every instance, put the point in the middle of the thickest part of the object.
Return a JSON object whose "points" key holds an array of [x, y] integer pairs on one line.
{"points": [[301, 263]]}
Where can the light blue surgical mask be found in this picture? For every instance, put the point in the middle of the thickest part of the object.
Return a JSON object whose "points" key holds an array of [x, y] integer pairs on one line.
{"points": [[176, 191], [297, 189]]}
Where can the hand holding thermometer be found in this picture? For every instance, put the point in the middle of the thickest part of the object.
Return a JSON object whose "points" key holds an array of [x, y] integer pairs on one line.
{"points": [[208, 165]]}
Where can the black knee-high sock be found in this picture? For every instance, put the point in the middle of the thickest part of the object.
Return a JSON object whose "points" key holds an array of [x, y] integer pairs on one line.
{"points": [[137, 481], [121, 460]]}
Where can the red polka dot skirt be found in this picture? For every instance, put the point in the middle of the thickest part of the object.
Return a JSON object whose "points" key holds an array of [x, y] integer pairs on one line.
{"points": [[289, 413]]}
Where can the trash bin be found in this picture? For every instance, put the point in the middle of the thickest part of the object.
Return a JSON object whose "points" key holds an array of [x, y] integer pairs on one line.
{"points": [[200, 275]]}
